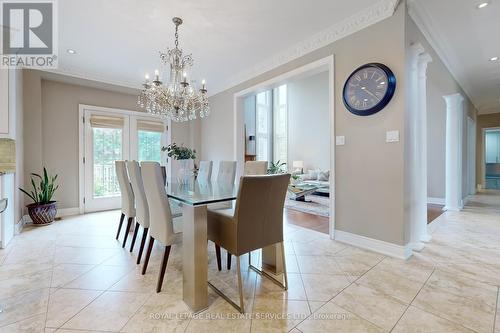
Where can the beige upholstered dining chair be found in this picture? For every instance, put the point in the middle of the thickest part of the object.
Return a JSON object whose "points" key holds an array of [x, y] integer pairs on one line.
{"points": [[161, 226], [255, 168], [141, 205], [127, 197], [205, 171], [227, 172], [256, 222], [226, 175]]}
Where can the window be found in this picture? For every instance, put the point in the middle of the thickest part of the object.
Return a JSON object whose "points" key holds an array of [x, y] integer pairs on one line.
{"points": [[107, 148], [263, 128], [149, 146], [272, 125], [280, 122]]}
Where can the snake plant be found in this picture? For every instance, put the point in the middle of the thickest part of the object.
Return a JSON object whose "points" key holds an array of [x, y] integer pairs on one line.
{"points": [[42, 192]]}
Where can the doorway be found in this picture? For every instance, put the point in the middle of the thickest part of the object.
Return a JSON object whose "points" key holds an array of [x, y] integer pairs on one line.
{"points": [[271, 142], [107, 135], [492, 158]]}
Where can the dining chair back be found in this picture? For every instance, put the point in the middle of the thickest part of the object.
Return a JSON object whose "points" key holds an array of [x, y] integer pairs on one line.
{"points": [[205, 171], [127, 198], [255, 168], [141, 205], [160, 216], [227, 172]]}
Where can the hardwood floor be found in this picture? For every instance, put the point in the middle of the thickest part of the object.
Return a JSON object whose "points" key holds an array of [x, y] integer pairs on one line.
{"points": [[433, 212], [305, 220], [320, 223]]}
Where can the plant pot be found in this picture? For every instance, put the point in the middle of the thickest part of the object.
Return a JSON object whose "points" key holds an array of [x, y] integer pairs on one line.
{"points": [[185, 173], [42, 214]]}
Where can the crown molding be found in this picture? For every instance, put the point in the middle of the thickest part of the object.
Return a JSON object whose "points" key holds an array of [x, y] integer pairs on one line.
{"points": [[75, 74], [440, 44], [359, 21]]}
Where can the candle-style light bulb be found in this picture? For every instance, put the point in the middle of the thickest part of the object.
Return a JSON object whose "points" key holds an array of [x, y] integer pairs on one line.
{"points": [[146, 77], [203, 82], [157, 75]]}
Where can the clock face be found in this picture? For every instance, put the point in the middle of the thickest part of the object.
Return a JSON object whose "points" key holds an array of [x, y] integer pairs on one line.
{"points": [[369, 89]]}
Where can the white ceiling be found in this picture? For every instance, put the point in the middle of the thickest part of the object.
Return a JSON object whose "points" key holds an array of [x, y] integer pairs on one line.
{"points": [[117, 41], [467, 37]]}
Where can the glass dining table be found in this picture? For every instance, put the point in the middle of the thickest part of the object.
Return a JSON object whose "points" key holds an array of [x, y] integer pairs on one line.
{"points": [[195, 197]]}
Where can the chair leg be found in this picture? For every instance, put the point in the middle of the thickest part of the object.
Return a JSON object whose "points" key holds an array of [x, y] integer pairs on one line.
{"points": [[129, 224], [240, 284], [148, 254], [163, 268], [120, 225], [141, 248], [134, 236], [285, 275], [241, 307], [228, 261], [217, 255]]}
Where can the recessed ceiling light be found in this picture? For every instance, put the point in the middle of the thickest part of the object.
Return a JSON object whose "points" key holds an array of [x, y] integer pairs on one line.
{"points": [[482, 5], [71, 51], [494, 59]]}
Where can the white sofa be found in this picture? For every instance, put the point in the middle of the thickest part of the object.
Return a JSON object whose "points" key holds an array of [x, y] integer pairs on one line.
{"points": [[320, 178]]}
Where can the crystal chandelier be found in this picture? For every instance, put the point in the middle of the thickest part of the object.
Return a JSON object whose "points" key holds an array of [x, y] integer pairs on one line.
{"points": [[178, 99]]}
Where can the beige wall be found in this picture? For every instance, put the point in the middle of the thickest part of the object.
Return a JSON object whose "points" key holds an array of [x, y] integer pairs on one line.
{"points": [[308, 132], [483, 121], [369, 177], [440, 82], [51, 125]]}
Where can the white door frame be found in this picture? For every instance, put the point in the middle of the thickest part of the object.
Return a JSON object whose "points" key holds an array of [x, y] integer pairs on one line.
{"points": [[483, 160], [471, 156], [318, 66], [82, 108]]}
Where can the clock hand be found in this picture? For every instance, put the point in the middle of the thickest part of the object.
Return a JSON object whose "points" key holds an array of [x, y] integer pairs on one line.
{"points": [[370, 93]]}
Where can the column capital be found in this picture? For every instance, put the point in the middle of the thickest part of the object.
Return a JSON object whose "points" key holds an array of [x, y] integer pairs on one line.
{"points": [[453, 99]]}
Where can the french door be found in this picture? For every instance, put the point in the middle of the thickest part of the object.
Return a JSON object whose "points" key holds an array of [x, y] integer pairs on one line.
{"points": [[109, 136]]}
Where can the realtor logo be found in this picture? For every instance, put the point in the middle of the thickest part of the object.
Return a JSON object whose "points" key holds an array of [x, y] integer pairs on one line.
{"points": [[29, 34]]}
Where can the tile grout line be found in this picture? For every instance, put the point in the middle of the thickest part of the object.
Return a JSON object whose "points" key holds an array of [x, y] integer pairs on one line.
{"points": [[341, 290], [50, 286], [413, 299], [303, 286], [496, 311]]}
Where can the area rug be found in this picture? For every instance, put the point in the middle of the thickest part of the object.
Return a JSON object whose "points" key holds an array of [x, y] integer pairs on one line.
{"points": [[318, 206]]}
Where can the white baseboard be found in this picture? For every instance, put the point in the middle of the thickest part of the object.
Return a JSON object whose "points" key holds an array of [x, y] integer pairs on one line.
{"points": [[435, 201], [386, 248], [63, 212]]}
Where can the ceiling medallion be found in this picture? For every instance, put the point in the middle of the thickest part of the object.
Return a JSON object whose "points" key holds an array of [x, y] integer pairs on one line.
{"points": [[179, 99]]}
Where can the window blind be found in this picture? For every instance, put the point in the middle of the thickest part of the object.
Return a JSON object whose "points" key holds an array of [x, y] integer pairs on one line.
{"points": [[106, 121], [150, 126]]}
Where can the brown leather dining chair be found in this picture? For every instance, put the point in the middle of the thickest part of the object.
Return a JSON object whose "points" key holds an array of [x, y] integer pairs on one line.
{"points": [[255, 222]]}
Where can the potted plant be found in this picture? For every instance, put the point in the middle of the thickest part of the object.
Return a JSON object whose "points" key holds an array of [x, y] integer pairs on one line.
{"points": [[183, 155], [43, 210], [276, 168]]}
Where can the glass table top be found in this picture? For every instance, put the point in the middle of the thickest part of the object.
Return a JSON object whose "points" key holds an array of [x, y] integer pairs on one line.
{"points": [[198, 193]]}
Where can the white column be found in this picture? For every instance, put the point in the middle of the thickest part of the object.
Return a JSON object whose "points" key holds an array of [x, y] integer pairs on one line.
{"points": [[416, 145], [454, 137], [421, 191]]}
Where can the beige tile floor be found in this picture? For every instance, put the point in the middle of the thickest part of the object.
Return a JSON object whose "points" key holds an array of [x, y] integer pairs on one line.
{"points": [[73, 276]]}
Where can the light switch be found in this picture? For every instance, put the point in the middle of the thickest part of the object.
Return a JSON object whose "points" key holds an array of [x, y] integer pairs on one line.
{"points": [[340, 140], [392, 136]]}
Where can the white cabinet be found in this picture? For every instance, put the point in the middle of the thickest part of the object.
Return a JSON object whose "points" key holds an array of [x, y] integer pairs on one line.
{"points": [[4, 103], [8, 103], [7, 223]]}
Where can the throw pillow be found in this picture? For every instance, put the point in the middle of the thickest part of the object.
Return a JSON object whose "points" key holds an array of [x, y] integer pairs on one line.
{"points": [[323, 176]]}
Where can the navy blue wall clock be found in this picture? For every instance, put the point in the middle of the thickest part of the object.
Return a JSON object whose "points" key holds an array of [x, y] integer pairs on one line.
{"points": [[369, 89]]}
